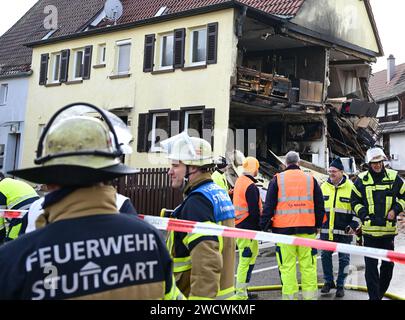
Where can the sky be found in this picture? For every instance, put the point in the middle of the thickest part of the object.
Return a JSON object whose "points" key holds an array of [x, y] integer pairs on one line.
{"points": [[389, 16]]}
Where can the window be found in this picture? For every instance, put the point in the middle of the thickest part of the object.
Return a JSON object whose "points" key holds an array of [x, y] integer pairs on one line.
{"points": [[102, 53], [3, 93], [160, 130], [166, 51], [193, 123], [392, 108], [381, 110], [56, 67], [78, 66], [124, 57], [2, 148], [199, 46]]}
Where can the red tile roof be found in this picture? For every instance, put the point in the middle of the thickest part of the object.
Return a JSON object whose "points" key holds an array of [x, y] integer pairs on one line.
{"points": [[73, 15], [381, 90]]}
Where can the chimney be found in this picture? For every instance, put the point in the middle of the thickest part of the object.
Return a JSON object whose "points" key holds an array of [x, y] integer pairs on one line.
{"points": [[390, 68]]}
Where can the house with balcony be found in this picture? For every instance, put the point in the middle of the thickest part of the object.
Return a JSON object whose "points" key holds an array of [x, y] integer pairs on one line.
{"points": [[263, 77]]}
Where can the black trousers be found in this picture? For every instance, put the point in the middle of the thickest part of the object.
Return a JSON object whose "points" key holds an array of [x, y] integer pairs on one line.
{"points": [[378, 281]]}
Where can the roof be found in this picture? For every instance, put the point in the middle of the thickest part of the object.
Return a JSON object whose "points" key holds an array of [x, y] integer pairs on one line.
{"points": [[393, 127], [381, 90]]}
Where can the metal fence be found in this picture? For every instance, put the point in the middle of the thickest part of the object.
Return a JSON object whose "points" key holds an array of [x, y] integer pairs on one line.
{"points": [[149, 191]]}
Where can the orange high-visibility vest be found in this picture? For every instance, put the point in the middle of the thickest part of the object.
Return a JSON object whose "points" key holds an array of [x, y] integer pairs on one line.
{"points": [[239, 199], [295, 204]]}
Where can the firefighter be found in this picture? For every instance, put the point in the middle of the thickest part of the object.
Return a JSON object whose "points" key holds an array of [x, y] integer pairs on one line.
{"points": [[14, 195], [248, 208], [218, 175], [294, 206], [203, 265], [378, 197], [87, 250], [340, 225]]}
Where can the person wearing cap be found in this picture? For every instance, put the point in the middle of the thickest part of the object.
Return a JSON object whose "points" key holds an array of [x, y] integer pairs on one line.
{"points": [[84, 249], [14, 195], [378, 197], [248, 208], [294, 206], [218, 176], [339, 226], [203, 264]]}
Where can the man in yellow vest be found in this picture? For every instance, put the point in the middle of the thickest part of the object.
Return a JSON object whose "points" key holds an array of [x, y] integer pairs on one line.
{"points": [[248, 208], [204, 265], [218, 176], [339, 226], [378, 197], [294, 206], [14, 195]]}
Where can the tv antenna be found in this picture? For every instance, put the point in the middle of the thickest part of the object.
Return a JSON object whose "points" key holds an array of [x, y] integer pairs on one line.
{"points": [[113, 10]]}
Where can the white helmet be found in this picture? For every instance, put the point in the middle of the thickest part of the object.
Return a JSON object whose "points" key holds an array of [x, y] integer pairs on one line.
{"points": [[189, 150], [375, 154]]}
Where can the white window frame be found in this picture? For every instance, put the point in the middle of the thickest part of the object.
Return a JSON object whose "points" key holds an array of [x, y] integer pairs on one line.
{"points": [[186, 117], [118, 45], [381, 111], [153, 131], [162, 36], [199, 63], [397, 108], [102, 53], [76, 52], [54, 59], [3, 97]]}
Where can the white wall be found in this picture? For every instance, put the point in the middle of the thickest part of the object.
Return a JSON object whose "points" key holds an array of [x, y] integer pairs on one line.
{"points": [[397, 148]]}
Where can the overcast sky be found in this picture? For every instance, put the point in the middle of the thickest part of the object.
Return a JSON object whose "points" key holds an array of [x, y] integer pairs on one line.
{"points": [[389, 15]]}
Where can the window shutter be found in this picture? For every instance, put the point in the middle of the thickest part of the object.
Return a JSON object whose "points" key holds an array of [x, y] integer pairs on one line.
{"points": [[174, 125], [212, 42], [88, 51], [64, 65], [178, 48], [43, 73], [143, 132], [149, 53], [208, 125]]}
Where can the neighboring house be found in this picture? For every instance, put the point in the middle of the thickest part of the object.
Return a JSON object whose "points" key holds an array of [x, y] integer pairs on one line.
{"points": [[388, 89], [166, 66]]}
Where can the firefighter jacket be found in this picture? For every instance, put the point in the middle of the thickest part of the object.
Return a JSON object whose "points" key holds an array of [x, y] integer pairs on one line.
{"points": [[204, 265], [14, 194], [247, 202], [294, 203], [373, 196], [339, 214], [88, 251]]}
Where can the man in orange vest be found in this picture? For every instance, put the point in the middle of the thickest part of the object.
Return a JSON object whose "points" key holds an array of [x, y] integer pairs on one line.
{"points": [[294, 206], [248, 207]]}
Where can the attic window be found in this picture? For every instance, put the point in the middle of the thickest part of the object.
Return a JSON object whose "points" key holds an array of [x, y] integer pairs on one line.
{"points": [[161, 11], [49, 34]]}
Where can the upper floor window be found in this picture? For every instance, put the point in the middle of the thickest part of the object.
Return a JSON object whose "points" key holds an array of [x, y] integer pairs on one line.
{"points": [[102, 50], [392, 108], [78, 64], [166, 51], [3, 93], [381, 110], [56, 67], [198, 46], [124, 56]]}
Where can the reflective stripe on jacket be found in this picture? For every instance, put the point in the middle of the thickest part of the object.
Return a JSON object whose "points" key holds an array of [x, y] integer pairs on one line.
{"points": [[338, 209], [295, 203], [239, 199], [16, 191]]}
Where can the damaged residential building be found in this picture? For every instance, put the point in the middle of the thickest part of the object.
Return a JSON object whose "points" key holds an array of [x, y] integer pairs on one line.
{"points": [[288, 74]]}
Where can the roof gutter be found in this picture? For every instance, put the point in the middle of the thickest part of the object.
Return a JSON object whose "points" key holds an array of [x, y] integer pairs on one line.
{"points": [[17, 75]]}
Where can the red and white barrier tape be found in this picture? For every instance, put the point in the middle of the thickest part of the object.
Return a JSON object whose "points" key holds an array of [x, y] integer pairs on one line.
{"points": [[217, 230], [178, 225]]}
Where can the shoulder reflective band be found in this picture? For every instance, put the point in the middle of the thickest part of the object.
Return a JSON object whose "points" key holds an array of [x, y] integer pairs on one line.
{"points": [[12, 214], [217, 230]]}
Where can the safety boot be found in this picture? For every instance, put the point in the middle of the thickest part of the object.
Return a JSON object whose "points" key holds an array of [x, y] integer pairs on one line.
{"points": [[327, 286]]}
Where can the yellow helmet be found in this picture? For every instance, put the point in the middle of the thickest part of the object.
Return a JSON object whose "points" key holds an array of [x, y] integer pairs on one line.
{"points": [[250, 165]]}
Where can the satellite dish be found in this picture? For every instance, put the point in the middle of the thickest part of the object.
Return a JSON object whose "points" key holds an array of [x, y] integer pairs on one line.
{"points": [[113, 9]]}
